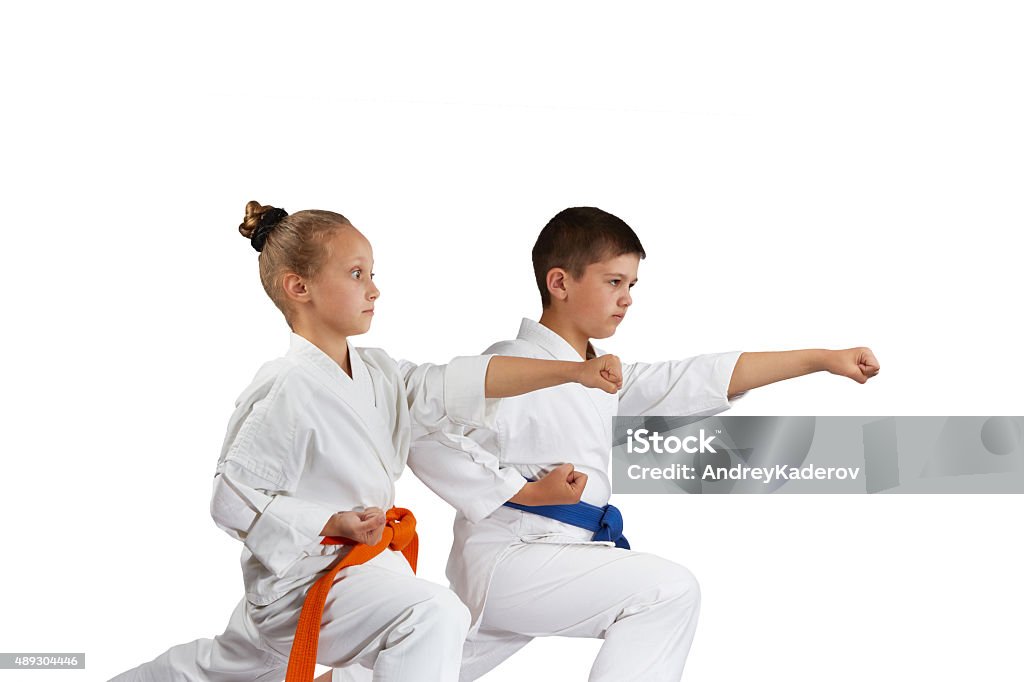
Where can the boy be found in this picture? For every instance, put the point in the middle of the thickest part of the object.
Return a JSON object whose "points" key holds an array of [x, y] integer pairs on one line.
{"points": [[524, 575]]}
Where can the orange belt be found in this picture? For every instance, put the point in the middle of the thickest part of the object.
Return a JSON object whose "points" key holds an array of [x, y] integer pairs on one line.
{"points": [[399, 534]]}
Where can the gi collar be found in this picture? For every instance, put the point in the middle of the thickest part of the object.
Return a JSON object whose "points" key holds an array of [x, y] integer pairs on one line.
{"points": [[302, 348], [555, 345]]}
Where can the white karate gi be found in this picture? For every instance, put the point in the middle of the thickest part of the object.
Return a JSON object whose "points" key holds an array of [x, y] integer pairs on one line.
{"points": [[525, 576], [306, 441]]}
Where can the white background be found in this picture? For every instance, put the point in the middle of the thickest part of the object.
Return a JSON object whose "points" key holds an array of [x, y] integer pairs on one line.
{"points": [[802, 174]]}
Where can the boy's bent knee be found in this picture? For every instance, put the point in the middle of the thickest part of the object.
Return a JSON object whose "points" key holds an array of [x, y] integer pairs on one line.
{"points": [[687, 586], [670, 581]]}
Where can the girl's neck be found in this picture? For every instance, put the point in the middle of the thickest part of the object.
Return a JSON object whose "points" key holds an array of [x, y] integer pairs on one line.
{"points": [[335, 347]]}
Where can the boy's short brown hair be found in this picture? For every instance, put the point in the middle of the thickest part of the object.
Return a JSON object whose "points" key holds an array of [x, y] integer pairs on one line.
{"points": [[578, 237]]}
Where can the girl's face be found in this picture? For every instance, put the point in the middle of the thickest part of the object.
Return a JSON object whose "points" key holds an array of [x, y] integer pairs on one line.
{"points": [[342, 295]]}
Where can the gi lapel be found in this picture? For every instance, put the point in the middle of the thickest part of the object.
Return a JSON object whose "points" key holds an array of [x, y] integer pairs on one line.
{"points": [[355, 392], [559, 349], [371, 415]]}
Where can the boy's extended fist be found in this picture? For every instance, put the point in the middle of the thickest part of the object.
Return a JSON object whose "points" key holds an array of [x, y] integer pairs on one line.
{"points": [[857, 363]]}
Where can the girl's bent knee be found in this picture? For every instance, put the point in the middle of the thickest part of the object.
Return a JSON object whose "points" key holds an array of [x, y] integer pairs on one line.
{"points": [[446, 610]]}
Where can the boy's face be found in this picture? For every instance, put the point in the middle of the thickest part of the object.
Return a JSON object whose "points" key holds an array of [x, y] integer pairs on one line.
{"points": [[597, 302]]}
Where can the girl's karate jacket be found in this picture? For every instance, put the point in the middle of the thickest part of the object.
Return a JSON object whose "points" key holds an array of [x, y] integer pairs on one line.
{"points": [[478, 469], [306, 441]]}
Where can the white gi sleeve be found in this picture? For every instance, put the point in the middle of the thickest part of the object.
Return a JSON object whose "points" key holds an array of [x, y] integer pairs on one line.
{"points": [[464, 473], [278, 529], [251, 491], [454, 391], [695, 386]]}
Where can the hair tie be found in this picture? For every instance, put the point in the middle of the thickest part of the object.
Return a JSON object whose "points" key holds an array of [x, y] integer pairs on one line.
{"points": [[267, 222]]}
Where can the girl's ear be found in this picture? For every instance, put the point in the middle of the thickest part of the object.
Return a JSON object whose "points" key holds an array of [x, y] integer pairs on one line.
{"points": [[294, 287]]}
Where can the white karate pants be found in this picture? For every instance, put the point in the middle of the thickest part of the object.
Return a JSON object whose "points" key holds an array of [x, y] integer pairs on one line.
{"points": [[644, 608], [378, 615]]}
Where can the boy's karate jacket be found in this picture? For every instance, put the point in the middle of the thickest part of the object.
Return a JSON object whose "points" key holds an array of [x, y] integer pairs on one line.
{"points": [[306, 441], [477, 470]]}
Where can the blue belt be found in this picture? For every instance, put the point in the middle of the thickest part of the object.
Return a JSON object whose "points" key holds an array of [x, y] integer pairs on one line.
{"points": [[605, 522]]}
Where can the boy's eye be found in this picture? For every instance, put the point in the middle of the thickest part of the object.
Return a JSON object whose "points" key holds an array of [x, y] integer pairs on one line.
{"points": [[357, 274], [372, 275], [615, 282]]}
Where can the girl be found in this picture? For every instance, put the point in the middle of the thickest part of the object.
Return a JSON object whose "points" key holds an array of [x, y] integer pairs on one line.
{"points": [[308, 468]]}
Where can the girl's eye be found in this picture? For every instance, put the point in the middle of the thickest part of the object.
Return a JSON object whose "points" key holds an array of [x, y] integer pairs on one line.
{"points": [[372, 275], [615, 282], [357, 274]]}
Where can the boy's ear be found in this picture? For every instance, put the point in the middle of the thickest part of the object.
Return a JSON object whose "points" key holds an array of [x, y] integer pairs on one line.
{"points": [[294, 287], [556, 283]]}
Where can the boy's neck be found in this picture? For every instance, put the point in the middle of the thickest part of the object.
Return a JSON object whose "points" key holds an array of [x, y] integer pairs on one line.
{"points": [[333, 346], [579, 341]]}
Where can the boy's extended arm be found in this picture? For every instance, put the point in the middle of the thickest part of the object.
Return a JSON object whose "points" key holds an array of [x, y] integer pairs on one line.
{"points": [[759, 369], [694, 386]]}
